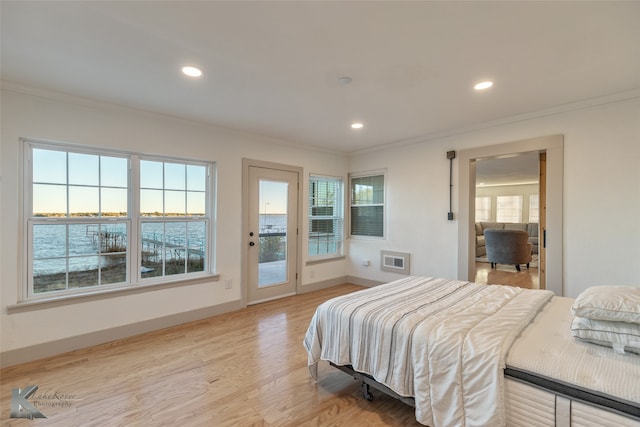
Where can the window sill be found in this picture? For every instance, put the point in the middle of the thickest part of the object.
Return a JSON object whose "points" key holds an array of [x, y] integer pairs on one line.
{"points": [[323, 260], [357, 237], [62, 300]]}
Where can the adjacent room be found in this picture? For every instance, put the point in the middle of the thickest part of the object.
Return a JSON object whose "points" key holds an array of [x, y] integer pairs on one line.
{"points": [[197, 196], [508, 192]]}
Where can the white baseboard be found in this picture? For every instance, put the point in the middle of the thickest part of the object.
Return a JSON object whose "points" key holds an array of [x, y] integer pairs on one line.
{"points": [[40, 351], [363, 282], [52, 348], [316, 286]]}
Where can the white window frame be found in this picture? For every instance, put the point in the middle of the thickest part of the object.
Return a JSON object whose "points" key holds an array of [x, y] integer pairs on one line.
{"points": [[133, 221], [337, 217], [382, 173]]}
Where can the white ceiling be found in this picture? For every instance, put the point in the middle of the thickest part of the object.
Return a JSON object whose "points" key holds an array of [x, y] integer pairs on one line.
{"points": [[513, 169], [272, 68]]}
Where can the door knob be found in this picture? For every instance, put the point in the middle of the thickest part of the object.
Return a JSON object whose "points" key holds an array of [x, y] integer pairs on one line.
{"points": [[252, 244]]}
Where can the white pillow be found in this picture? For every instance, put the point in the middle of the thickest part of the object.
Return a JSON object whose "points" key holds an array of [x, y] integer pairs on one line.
{"points": [[613, 303], [622, 336]]}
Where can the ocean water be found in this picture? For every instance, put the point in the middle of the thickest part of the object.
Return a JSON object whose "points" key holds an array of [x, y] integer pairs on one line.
{"points": [[272, 223], [86, 246], [93, 245]]}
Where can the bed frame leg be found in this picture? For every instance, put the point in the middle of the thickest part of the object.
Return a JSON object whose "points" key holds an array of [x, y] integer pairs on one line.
{"points": [[366, 393]]}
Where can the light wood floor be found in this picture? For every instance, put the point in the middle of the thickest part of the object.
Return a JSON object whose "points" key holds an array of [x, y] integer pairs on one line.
{"points": [[246, 368], [507, 275]]}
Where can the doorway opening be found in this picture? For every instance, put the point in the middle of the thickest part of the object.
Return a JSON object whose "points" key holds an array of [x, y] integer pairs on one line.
{"points": [[508, 196], [550, 235]]}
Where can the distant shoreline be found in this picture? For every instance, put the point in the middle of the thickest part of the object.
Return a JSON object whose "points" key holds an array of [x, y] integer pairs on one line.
{"points": [[110, 275], [111, 214]]}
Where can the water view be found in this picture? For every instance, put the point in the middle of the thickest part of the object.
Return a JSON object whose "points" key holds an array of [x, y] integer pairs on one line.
{"points": [[79, 255], [97, 253]]}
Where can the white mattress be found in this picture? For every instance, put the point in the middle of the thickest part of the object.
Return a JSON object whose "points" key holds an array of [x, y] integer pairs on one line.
{"points": [[547, 349], [527, 406]]}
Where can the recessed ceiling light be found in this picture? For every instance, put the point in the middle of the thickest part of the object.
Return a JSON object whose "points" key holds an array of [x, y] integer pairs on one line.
{"points": [[357, 125], [483, 85], [192, 71], [345, 80]]}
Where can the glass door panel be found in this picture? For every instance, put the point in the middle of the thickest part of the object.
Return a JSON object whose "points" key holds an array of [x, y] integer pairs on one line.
{"points": [[272, 261]]}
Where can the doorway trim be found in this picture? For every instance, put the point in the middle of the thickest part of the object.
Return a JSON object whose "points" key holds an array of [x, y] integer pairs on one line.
{"points": [[553, 146], [244, 254]]}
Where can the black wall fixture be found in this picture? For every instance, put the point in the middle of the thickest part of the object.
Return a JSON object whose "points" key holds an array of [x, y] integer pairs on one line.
{"points": [[450, 155]]}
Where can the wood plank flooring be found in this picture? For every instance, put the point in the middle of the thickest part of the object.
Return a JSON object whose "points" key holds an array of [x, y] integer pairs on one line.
{"points": [[507, 275], [246, 368]]}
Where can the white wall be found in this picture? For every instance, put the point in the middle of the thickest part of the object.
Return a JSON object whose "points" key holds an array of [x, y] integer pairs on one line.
{"points": [[416, 206], [601, 223], [601, 206], [65, 119]]}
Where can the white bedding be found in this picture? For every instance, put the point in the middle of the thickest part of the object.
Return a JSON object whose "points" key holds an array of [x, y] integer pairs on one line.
{"points": [[443, 342], [546, 348]]}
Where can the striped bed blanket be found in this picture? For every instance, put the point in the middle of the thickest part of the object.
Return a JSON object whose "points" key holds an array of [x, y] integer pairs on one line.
{"points": [[442, 342]]}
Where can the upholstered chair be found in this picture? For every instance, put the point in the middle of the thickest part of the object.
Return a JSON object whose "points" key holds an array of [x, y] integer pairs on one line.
{"points": [[508, 247]]}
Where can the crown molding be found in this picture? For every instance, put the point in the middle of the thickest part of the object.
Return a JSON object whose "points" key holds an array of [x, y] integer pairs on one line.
{"points": [[560, 109]]}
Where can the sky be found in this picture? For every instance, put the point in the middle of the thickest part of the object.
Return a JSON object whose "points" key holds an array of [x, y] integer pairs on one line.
{"points": [[273, 197], [90, 183]]}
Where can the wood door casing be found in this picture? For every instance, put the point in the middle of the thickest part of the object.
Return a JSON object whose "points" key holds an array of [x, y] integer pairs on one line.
{"points": [[542, 258]]}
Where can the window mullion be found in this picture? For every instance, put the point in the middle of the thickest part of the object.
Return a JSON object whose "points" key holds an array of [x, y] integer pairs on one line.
{"points": [[135, 237]]}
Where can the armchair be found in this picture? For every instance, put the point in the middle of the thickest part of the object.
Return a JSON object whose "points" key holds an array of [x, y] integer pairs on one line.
{"points": [[508, 247]]}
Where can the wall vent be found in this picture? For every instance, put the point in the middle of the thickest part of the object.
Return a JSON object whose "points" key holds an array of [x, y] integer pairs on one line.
{"points": [[396, 262]]}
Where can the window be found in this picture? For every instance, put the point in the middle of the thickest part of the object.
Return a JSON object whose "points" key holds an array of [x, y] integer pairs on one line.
{"points": [[509, 209], [367, 205], [483, 208], [81, 230], [326, 216], [534, 208], [173, 222]]}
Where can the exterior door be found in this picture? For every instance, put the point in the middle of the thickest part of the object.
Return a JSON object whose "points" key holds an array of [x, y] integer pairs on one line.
{"points": [[272, 234]]}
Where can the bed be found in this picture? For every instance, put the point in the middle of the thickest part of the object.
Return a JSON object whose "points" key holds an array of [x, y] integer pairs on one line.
{"points": [[465, 354]]}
